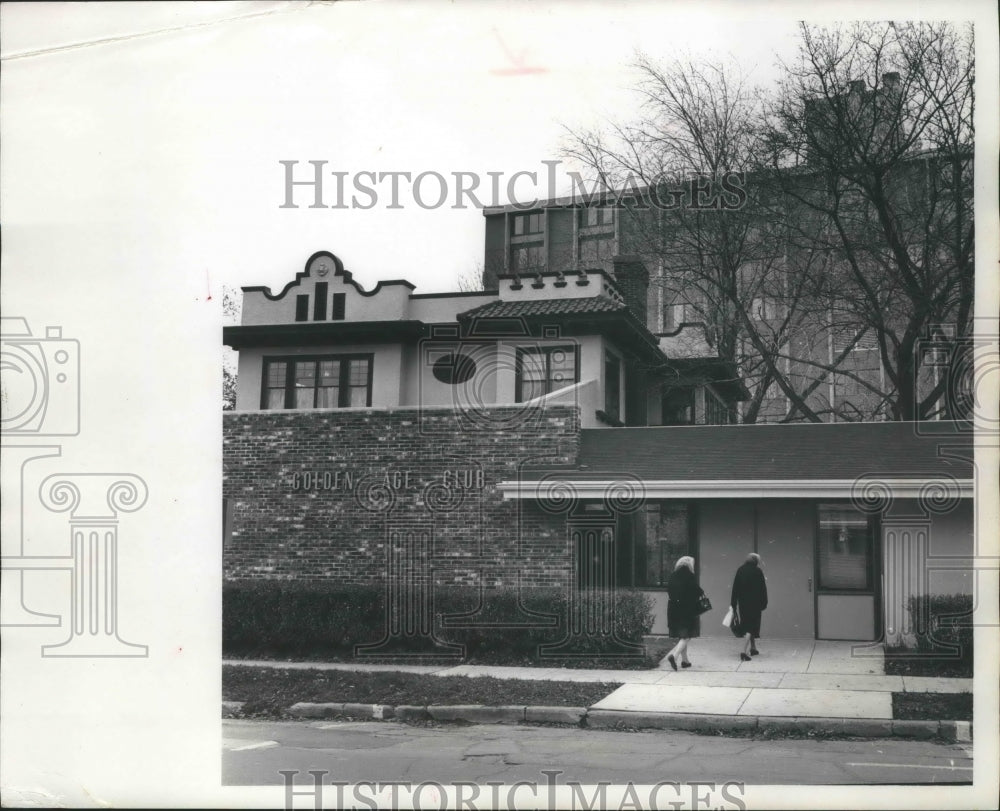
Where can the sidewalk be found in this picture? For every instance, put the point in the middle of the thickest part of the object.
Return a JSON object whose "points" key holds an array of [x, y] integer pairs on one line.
{"points": [[800, 679]]}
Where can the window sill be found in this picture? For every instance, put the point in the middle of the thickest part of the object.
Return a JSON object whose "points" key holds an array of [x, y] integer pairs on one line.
{"points": [[608, 419]]}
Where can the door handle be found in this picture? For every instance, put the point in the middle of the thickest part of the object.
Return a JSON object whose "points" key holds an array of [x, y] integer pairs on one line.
{"points": [[810, 585]]}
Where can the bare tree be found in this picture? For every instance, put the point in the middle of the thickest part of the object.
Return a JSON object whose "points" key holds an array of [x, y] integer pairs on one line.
{"points": [[717, 244], [472, 281], [871, 136], [231, 308], [852, 241]]}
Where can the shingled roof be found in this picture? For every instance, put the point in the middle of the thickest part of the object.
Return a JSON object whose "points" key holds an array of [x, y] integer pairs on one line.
{"points": [[797, 452]]}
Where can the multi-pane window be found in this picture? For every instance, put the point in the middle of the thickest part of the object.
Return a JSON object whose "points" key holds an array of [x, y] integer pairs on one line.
{"points": [[661, 538], [541, 370], [716, 412], [857, 340], [523, 224], [593, 216], [320, 382], [527, 257], [673, 315], [597, 249], [845, 548]]}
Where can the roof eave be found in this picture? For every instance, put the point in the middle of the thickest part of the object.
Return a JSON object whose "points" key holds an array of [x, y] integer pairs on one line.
{"points": [[553, 487]]}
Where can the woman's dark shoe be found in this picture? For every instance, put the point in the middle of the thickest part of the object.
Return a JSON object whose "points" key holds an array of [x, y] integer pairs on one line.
{"points": [[744, 657], [685, 664], [673, 662], [754, 652]]}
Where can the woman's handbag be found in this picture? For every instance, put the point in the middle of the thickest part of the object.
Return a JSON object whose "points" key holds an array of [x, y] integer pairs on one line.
{"points": [[736, 626], [704, 604], [728, 619]]}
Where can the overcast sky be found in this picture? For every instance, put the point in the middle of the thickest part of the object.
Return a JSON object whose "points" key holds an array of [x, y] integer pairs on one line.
{"points": [[170, 124]]}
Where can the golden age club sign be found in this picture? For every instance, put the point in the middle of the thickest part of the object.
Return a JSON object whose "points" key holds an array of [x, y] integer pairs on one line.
{"points": [[349, 480]]}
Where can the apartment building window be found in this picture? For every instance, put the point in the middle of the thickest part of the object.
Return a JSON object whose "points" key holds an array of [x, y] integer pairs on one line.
{"points": [[673, 316], [527, 257], [524, 224], [596, 250], [844, 338], [594, 216], [541, 370], [764, 308], [334, 381]]}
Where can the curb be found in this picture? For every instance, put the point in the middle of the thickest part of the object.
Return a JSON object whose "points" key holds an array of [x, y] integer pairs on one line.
{"points": [[949, 731], [307, 709]]}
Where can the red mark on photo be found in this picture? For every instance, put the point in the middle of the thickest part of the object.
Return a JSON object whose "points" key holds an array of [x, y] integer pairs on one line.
{"points": [[516, 59]]}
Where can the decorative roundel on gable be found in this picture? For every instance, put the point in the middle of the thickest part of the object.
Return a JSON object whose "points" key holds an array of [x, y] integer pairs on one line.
{"points": [[454, 368], [323, 265]]}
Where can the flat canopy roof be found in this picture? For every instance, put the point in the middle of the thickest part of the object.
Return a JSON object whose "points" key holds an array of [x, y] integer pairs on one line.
{"points": [[746, 461]]}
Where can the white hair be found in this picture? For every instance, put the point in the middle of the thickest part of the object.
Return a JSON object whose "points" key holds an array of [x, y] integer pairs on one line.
{"points": [[687, 561]]}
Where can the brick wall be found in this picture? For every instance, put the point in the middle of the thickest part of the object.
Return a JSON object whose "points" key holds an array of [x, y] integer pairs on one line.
{"points": [[349, 496]]}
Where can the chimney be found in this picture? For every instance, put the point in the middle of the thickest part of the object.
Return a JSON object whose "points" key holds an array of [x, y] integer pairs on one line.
{"points": [[857, 86], [890, 81], [632, 280]]}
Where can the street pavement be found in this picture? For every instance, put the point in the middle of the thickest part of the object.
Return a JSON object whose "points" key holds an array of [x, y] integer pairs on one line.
{"points": [[254, 752]]}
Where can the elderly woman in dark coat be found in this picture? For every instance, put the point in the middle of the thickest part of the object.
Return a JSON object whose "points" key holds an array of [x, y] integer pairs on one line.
{"points": [[749, 599], [682, 609]]}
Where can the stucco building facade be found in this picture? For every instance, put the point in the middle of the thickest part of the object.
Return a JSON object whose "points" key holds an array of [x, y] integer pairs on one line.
{"points": [[513, 438]]}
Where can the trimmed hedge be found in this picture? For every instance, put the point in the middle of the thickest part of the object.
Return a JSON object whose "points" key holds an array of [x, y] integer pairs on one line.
{"points": [[301, 618], [943, 622]]}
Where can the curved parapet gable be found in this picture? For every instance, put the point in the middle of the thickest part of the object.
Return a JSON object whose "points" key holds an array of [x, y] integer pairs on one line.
{"points": [[324, 291]]}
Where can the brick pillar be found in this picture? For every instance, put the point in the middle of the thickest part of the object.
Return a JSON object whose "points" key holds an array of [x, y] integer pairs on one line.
{"points": [[632, 279]]}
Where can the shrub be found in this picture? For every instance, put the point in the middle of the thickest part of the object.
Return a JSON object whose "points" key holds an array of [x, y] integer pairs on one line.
{"points": [[309, 618], [943, 622]]}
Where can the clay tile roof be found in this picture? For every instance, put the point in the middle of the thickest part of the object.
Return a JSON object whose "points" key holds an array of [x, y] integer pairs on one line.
{"points": [[557, 306]]}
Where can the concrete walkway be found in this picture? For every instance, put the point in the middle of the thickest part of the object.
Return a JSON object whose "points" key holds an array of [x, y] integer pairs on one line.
{"points": [[798, 678]]}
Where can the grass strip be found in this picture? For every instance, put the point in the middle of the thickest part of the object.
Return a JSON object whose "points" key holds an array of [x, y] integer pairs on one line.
{"points": [[932, 706], [268, 691]]}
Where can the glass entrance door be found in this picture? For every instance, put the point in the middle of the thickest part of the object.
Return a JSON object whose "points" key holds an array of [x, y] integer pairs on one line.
{"points": [[845, 573]]}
